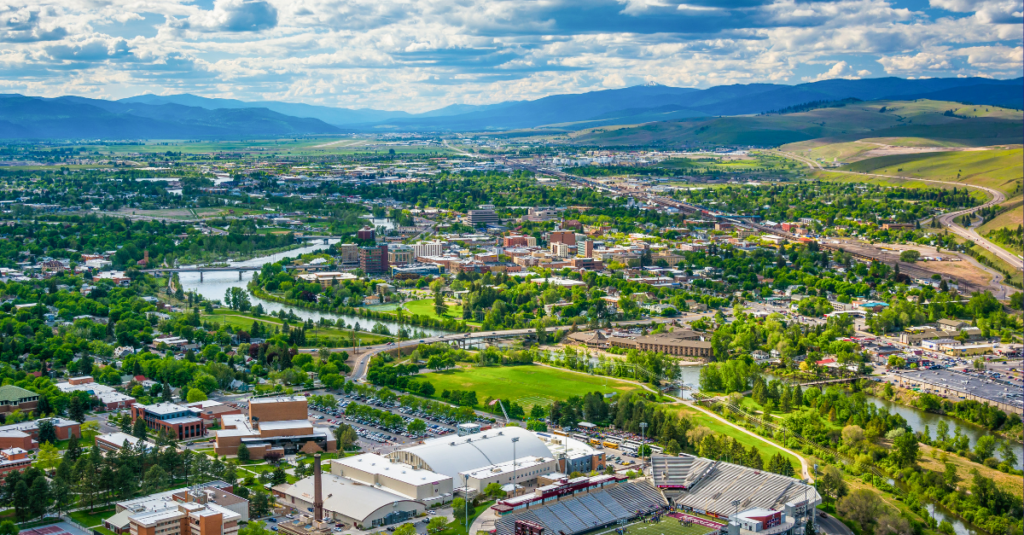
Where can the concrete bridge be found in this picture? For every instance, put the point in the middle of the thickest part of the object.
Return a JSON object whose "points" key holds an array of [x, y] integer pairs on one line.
{"points": [[201, 270]]}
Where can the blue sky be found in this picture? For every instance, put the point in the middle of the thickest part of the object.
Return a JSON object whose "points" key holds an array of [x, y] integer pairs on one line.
{"points": [[418, 55]]}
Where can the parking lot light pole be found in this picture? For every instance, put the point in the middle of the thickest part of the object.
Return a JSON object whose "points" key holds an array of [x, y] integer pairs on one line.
{"points": [[514, 458], [643, 440]]}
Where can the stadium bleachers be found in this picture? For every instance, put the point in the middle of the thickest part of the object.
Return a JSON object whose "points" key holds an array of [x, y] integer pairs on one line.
{"points": [[585, 512], [726, 483]]}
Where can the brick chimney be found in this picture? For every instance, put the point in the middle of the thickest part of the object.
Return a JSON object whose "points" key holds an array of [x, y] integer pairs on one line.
{"points": [[318, 497]]}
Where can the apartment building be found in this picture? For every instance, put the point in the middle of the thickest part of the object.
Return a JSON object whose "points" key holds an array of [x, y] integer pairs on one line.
{"points": [[483, 217], [374, 259], [432, 248], [349, 253]]}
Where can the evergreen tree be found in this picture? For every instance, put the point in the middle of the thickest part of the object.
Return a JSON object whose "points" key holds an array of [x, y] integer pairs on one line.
{"points": [[74, 450], [139, 429], [243, 453], [41, 497]]}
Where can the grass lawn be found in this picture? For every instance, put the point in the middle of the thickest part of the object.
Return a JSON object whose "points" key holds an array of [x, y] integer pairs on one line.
{"points": [[330, 335], [526, 385], [667, 526], [767, 449], [996, 169], [425, 307], [103, 530], [95, 518], [459, 527]]}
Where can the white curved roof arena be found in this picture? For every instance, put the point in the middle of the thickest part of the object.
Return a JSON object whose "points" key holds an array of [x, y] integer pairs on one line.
{"points": [[473, 451]]}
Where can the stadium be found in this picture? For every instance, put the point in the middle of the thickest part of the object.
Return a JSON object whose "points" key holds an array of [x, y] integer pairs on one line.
{"points": [[683, 495]]}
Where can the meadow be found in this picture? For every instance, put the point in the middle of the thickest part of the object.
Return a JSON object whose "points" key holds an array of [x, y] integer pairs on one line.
{"points": [[526, 385]]}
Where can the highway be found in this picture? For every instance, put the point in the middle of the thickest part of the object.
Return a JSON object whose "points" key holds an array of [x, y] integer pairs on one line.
{"points": [[997, 197]]}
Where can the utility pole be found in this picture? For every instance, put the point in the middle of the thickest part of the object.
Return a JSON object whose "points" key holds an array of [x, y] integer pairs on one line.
{"points": [[643, 442]]}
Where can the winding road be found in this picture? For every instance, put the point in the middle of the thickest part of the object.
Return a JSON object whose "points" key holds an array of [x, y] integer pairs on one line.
{"points": [[946, 220]]}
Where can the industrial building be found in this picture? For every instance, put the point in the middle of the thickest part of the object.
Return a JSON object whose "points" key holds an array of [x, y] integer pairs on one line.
{"points": [[277, 424]]}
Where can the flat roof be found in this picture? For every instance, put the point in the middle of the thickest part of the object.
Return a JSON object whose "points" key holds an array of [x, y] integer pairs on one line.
{"points": [[345, 496], [375, 464], [277, 399], [164, 408], [286, 424]]}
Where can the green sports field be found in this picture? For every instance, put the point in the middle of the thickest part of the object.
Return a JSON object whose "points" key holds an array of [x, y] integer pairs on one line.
{"points": [[668, 526], [526, 385]]}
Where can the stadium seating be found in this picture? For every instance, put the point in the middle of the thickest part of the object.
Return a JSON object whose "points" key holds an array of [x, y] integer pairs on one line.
{"points": [[585, 512]]}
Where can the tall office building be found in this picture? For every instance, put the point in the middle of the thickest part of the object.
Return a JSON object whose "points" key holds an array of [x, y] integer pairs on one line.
{"points": [[374, 259]]}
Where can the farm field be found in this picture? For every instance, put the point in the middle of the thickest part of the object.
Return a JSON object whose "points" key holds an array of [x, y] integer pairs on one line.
{"points": [[526, 385]]}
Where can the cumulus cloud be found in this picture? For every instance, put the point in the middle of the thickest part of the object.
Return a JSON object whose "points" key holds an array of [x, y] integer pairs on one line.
{"points": [[917, 64], [235, 16], [841, 69], [422, 54]]}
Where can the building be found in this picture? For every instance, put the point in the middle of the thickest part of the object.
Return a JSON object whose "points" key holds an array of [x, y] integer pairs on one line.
{"points": [[400, 257], [681, 343], [766, 501], [483, 217], [433, 248], [14, 398], [367, 233], [372, 469], [212, 411], [136, 515], [25, 435], [570, 506], [277, 425], [468, 459], [181, 422], [415, 271], [374, 259], [541, 214], [111, 399], [952, 325], [327, 278], [560, 249], [349, 253], [922, 335], [587, 251], [514, 240], [13, 460], [562, 236], [118, 440], [353, 503], [898, 226]]}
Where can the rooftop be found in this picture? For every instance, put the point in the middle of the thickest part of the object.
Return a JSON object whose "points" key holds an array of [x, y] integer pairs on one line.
{"points": [[376, 464]]}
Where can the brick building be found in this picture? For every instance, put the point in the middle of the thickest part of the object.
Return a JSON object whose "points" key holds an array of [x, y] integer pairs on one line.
{"points": [[25, 435], [567, 237], [278, 425], [366, 233], [14, 398], [183, 422], [374, 259], [13, 460]]}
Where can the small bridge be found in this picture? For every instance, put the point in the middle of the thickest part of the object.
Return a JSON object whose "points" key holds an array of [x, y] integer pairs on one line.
{"points": [[201, 270]]}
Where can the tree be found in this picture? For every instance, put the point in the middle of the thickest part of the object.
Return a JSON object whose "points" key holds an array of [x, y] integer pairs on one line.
{"points": [[279, 476], [458, 506], [195, 394], [779, 464], [672, 448], [90, 429], [436, 524], [243, 452], [910, 256], [47, 433], [985, 447], [893, 525], [644, 450], [20, 501], [494, 490], [416, 426], [905, 450], [405, 529], [8, 528], [155, 477], [831, 484], [852, 435], [440, 307], [345, 436], [139, 429], [259, 504], [1009, 456], [861, 506], [76, 409], [41, 497], [74, 449], [255, 528], [48, 457], [63, 496]]}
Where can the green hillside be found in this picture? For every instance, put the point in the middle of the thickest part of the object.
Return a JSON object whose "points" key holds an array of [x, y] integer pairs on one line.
{"points": [[999, 169], [949, 123]]}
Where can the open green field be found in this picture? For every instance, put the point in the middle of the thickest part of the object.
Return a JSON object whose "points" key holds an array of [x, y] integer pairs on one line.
{"points": [[1000, 169], [900, 120], [526, 385], [667, 526], [767, 449], [329, 335], [425, 307], [831, 176], [1012, 217], [305, 146]]}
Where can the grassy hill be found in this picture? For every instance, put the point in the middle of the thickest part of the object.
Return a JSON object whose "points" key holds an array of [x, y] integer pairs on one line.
{"points": [[999, 169], [949, 123]]}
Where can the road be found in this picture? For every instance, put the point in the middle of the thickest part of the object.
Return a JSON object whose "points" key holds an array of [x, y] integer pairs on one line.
{"points": [[363, 359], [946, 220], [831, 526]]}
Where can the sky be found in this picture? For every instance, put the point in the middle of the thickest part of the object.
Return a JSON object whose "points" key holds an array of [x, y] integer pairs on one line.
{"points": [[418, 55]]}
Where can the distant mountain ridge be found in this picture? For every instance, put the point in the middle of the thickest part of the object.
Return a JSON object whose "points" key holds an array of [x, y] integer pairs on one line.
{"points": [[191, 116]]}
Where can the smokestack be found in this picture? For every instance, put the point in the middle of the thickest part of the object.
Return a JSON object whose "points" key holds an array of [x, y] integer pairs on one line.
{"points": [[318, 495]]}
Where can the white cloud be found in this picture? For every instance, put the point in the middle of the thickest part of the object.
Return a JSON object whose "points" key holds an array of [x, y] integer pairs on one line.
{"points": [[841, 69], [916, 64]]}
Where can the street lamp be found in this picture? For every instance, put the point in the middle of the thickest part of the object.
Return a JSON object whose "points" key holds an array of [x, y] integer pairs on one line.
{"points": [[514, 459], [466, 476], [643, 441]]}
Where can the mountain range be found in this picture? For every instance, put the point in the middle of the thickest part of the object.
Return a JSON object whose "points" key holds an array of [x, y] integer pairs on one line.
{"points": [[188, 116]]}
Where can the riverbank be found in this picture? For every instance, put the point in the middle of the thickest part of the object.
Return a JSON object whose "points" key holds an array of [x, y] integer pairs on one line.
{"points": [[415, 320], [316, 337]]}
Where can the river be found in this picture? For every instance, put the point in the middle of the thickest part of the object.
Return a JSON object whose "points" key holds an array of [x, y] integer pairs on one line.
{"points": [[215, 284]]}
